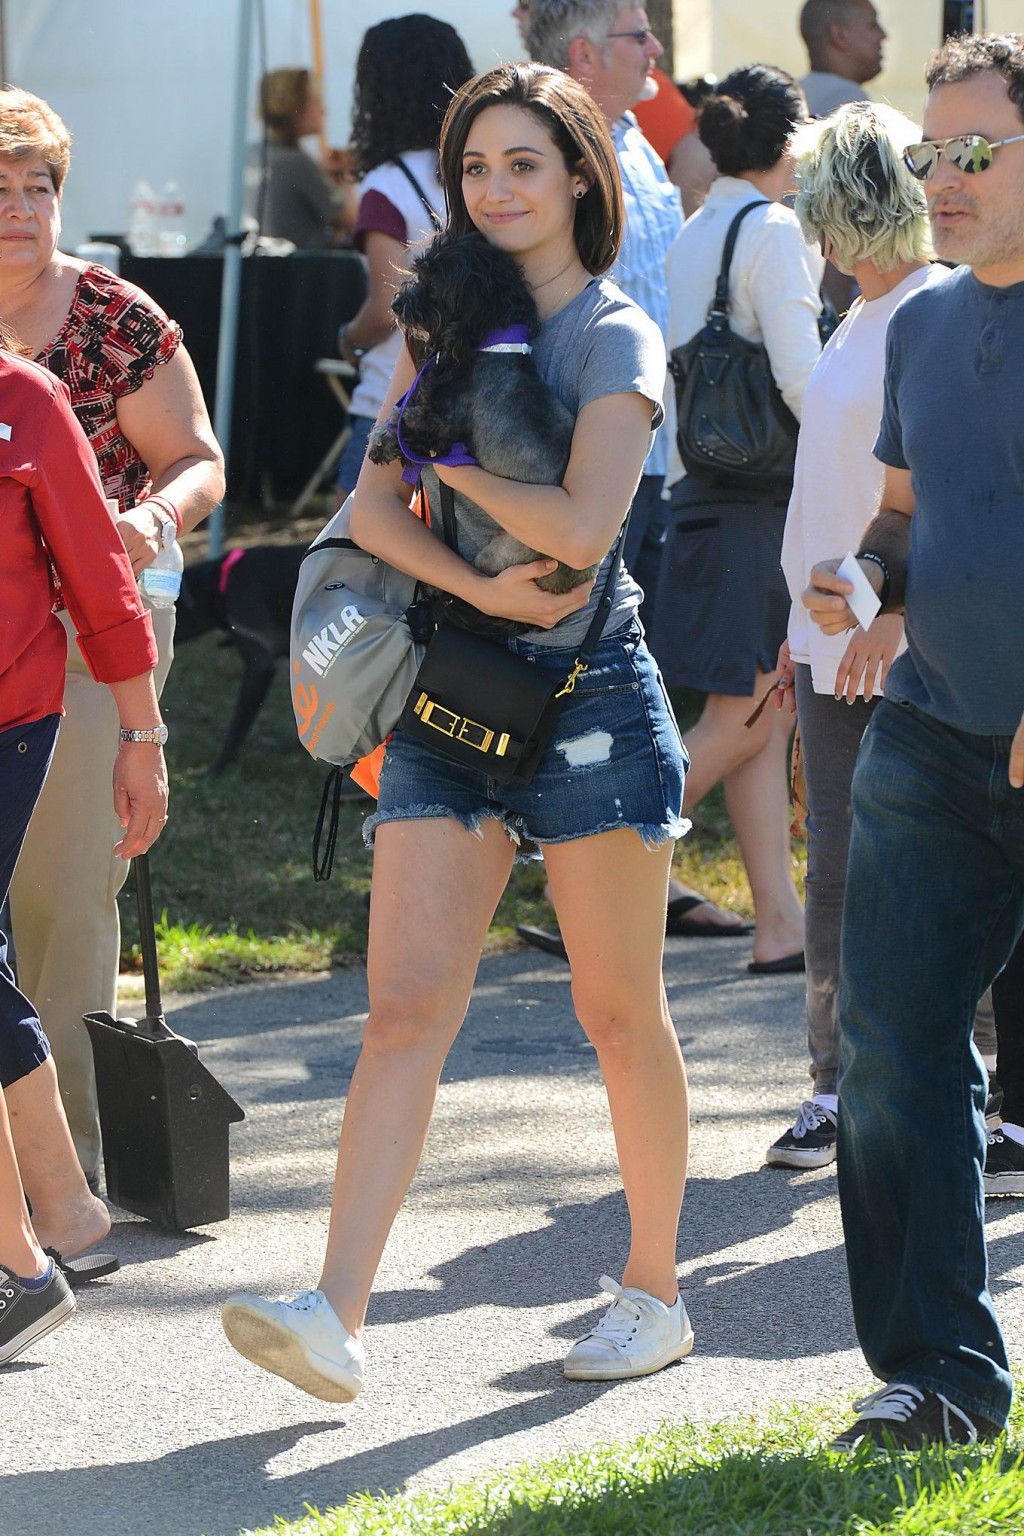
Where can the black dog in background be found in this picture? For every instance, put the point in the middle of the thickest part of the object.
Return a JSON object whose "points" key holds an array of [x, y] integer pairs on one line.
{"points": [[495, 403], [247, 593]]}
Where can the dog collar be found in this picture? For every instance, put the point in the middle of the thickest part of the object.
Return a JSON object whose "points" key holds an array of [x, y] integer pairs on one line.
{"points": [[512, 338]]}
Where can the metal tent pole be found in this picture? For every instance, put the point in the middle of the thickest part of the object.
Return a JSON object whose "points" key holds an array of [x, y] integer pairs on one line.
{"points": [[227, 341]]}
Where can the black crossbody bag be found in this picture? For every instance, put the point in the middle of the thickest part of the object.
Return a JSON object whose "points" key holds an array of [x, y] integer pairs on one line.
{"points": [[479, 704]]}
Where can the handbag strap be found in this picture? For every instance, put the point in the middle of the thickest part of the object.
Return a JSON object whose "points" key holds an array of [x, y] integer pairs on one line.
{"points": [[720, 303], [435, 217], [604, 602]]}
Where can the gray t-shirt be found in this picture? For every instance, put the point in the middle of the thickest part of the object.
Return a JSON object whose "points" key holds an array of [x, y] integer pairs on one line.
{"points": [[600, 344], [826, 92], [953, 415], [298, 203]]}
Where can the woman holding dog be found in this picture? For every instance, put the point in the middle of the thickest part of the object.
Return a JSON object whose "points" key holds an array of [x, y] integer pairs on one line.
{"points": [[526, 160], [135, 393]]}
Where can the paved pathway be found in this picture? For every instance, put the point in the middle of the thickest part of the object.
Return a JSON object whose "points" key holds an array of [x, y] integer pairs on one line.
{"points": [[138, 1417]]}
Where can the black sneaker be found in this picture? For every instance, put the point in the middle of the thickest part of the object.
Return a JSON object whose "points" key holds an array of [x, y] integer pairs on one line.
{"points": [[1004, 1165], [28, 1316], [809, 1143], [993, 1103], [907, 1418]]}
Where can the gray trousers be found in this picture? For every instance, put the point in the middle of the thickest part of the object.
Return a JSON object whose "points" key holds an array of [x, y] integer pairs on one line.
{"points": [[830, 735]]}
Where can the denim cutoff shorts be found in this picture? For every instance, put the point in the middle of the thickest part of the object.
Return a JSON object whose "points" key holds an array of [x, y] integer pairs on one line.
{"points": [[616, 760]]}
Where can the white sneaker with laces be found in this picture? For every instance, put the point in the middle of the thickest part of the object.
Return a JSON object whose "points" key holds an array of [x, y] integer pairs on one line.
{"points": [[637, 1336], [301, 1339]]}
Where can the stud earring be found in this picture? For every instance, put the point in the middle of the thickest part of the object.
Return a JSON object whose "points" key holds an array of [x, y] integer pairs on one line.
{"points": [[579, 193]]}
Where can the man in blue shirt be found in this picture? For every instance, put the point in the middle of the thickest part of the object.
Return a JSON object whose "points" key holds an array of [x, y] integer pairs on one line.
{"points": [[935, 889]]}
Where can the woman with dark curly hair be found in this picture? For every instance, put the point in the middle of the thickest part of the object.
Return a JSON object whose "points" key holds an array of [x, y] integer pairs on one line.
{"points": [[408, 70]]}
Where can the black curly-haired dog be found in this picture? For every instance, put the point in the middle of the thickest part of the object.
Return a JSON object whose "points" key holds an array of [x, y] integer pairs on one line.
{"points": [[496, 403]]}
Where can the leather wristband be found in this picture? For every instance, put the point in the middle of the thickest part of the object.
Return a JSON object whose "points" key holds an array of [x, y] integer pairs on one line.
{"points": [[883, 596]]}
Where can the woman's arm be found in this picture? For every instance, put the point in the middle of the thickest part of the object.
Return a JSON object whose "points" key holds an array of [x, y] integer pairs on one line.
{"points": [[167, 424], [373, 321], [784, 280], [576, 521], [140, 774], [383, 523]]}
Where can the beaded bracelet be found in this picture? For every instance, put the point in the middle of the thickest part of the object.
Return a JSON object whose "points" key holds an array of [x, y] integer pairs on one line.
{"points": [[169, 508], [883, 596]]}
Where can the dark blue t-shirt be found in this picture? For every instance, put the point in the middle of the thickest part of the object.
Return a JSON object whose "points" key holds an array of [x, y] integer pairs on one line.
{"points": [[954, 416]]}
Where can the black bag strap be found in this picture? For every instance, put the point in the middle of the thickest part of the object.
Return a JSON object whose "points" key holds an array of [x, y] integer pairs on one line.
{"points": [[329, 813], [720, 303], [435, 217], [604, 603]]}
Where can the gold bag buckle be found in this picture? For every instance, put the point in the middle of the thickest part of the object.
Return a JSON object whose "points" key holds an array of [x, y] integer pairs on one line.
{"points": [[459, 727]]}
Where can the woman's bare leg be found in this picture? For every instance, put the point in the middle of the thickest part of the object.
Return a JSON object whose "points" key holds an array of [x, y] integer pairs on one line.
{"points": [[757, 796], [609, 893], [65, 1213], [19, 1249], [421, 968], [720, 741]]}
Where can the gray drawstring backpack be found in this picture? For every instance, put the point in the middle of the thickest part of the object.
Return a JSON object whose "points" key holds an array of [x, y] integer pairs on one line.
{"points": [[359, 630]]}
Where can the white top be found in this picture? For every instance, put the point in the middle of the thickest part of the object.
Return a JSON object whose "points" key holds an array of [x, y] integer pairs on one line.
{"points": [[838, 480], [773, 287], [378, 364]]}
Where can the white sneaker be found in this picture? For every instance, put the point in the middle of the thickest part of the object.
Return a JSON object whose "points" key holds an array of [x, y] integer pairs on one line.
{"points": [[302, 1340], [637, 1336]]}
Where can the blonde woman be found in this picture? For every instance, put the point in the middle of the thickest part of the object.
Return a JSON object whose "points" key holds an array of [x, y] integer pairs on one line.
{"points": [[858, 199]]}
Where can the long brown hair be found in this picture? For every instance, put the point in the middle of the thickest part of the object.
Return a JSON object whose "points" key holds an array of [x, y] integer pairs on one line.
{"points": [[568, 113]]}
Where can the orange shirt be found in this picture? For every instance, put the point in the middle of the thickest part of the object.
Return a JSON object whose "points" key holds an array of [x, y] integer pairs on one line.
{"points": [[666, 119]]}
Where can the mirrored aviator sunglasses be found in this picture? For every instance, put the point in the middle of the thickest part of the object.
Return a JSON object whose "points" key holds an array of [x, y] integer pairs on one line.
{"points": [[969, 152]]}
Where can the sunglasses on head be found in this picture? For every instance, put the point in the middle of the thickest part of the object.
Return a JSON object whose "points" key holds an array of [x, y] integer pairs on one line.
{"points": [[640, 35], [969, 152]]}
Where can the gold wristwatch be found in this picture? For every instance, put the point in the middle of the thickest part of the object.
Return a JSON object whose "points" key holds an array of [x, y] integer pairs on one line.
{"points": [[156, 734]]}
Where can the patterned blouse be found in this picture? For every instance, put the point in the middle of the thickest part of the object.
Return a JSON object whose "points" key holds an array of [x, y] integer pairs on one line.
{"points": [[113, 340]]}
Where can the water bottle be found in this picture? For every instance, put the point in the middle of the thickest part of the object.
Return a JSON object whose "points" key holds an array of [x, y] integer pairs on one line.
{"points": [[142, 221], [170, 221], [161, 581]]}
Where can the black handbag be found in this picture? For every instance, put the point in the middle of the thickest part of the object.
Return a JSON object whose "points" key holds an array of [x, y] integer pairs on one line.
{"points": [[733, 428], [479, 704]]}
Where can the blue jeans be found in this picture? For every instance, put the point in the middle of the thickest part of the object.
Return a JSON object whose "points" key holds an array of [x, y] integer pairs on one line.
{"points": [[934, 905], [25, 753]]}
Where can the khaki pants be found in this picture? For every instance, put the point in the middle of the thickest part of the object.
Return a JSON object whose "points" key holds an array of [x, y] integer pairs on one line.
{"points": [[67, 934]]}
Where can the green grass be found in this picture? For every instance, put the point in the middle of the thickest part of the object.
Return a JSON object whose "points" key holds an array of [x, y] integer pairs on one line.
{"points": [[765, 1479], [232, 872]]}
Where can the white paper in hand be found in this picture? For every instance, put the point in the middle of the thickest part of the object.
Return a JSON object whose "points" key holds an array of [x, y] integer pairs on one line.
{"points": [[863, 600]]}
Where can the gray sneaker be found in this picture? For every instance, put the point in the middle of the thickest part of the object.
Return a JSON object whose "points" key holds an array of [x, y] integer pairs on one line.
{"points": [[301, 1339], [636, 1337], [26, 1316], [810, 1141]]}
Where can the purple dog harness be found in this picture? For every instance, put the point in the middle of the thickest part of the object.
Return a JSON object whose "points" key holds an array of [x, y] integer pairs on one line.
{"points": [[512, 338]]}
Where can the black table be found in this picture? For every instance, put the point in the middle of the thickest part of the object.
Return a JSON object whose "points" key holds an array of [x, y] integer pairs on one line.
{"points": [[284, 419]]}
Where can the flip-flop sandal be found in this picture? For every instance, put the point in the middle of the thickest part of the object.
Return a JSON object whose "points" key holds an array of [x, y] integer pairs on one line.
{"points": [[679, 923], [86, 1267], [550, 943]]}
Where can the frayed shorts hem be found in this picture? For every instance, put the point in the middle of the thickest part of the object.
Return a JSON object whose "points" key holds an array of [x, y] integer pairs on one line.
{"points": [[527, 844]]}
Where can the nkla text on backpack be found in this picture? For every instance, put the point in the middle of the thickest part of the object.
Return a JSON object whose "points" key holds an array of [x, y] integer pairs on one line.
{"points": [[358, 634]]}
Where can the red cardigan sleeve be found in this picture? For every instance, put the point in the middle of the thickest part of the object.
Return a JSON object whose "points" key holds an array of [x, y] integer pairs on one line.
{"points": [[115, 633]]}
